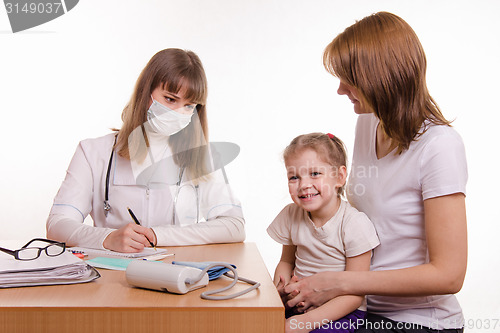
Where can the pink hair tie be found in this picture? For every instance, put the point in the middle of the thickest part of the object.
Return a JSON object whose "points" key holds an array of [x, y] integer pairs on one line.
{"points": [[330, 135]]}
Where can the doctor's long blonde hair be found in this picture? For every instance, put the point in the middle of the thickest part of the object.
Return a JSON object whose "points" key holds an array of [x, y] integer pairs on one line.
{"points": [[172, 69]]}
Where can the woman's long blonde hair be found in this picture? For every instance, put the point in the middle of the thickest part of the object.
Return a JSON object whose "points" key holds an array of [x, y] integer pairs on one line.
{"points": [[172, 69], [382, 57]]}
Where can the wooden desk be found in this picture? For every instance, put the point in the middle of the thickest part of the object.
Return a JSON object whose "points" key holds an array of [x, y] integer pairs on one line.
{"points": [[109, 304]]}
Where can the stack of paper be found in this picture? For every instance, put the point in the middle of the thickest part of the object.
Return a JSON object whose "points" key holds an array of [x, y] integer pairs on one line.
{"points": [[63, 269]]}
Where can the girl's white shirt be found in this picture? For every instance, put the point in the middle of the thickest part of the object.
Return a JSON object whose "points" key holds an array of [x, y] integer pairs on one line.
{"points": [[82, 194], [348, 233]]}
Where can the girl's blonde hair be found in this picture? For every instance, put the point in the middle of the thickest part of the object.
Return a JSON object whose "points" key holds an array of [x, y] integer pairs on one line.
{"points": [[172, 70], [328, 147], [382, 57]]}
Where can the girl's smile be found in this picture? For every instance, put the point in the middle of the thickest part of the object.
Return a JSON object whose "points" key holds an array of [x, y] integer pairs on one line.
{"points": [[313, 185], [308, 197]]}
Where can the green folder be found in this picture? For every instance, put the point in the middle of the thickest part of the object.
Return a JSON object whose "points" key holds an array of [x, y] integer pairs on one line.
{"points": [[117, 264]]}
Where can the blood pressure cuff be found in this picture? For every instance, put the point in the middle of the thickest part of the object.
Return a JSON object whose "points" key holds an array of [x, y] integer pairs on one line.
{"points": [[213, 273]]}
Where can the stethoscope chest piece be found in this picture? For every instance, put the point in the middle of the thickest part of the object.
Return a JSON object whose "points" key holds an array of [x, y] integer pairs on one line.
{"points": [[107, 207]]}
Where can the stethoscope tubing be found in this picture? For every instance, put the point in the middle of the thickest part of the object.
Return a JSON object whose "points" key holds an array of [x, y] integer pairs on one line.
{"points": [[107, 206]]}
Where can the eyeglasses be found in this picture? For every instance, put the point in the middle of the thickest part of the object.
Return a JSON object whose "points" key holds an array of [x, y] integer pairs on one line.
{"points": [[31, 253]]}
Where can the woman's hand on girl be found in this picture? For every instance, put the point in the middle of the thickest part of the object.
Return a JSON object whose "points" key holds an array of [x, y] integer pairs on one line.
{"points": [[129, 238], [312, 291]]}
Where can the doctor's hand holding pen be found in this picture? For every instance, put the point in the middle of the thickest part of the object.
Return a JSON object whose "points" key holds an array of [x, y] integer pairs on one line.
{"points": [[130, 238]]}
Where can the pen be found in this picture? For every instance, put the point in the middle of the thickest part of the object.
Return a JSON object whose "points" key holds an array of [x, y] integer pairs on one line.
{"points": [[138, 223], [79, 254]]}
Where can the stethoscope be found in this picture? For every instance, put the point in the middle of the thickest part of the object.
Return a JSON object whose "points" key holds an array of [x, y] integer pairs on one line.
{"points": [[107, 206]]}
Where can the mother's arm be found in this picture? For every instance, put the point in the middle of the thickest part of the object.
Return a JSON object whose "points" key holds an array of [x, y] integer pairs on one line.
{"points": [[446, 234]]}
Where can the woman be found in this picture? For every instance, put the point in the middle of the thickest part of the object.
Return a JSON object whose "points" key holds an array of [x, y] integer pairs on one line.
{"points": [[157, 166], [408, 176]]}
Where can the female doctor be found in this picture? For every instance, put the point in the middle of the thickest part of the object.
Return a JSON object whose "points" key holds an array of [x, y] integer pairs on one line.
{"points": [[157, 167]]}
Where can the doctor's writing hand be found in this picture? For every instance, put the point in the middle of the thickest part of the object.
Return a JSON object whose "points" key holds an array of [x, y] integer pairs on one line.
{"points": [[129, 238], [312, 292]]}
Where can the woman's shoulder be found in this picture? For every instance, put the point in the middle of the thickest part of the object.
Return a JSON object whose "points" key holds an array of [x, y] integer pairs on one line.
{"points": [[433, 130], [439, 137], [98, 146], [99, 142], [110, 137]]}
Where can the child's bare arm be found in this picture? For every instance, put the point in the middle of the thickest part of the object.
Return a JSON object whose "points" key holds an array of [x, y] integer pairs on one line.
{"points": [[284, 270]]}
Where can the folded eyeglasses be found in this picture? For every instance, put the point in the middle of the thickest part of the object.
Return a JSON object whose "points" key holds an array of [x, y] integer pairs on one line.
{"points": [[28, 252]]}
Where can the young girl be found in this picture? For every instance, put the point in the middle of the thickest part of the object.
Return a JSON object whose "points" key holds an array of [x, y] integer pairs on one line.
{"points": [[320, 231], [156, 165]]}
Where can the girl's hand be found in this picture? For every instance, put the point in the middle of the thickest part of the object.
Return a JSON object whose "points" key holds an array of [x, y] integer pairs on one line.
{"points": [[313, 291], [129, 238], [281, 288]]}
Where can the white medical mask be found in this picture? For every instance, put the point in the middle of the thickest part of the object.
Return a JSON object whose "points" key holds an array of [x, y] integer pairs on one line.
{"points": [[166, 121]]}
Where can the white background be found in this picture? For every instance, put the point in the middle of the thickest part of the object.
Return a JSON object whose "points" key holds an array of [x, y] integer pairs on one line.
{"points": [[70, 78]]}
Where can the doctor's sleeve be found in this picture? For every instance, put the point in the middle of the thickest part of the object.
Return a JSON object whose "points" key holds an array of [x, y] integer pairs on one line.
{"points": [[223, 229], [72, 204]]}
